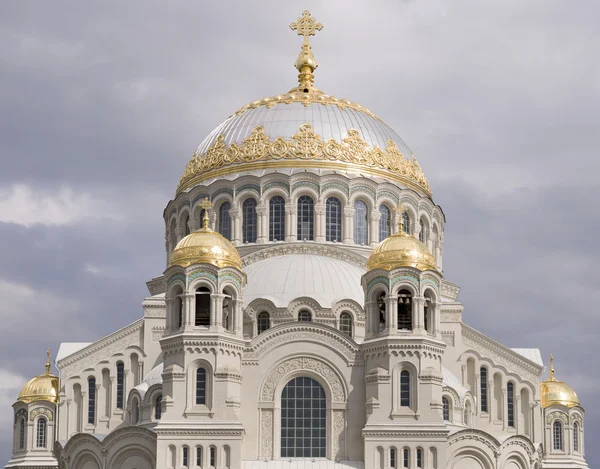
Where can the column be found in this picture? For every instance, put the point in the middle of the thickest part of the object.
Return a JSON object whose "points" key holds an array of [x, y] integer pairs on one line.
{"points": [[291, 224], [395, 221], [238, 316], [419, 314], [262, 228], [84, 405], [189, 313], [113, 394], [370, 307], [180, 232], [216, 311], [391, 308], [504, 407], [212, 219], [193, 224], [348, 234], [236, 232], [517, 410], [374, 228], [491, 398], [477, 392], [320, 223]]}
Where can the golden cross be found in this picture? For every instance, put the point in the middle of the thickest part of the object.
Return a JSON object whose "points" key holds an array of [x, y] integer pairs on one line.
{"points": [[551, 368], [399, 209], [206, 205], [306, 26], [48, 362]]}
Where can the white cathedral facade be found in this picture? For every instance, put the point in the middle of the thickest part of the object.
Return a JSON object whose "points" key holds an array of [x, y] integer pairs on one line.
{"points": [[303, 322]]}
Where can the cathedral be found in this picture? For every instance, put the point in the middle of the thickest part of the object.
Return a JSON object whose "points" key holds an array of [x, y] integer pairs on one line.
{"points": [[303, 321]]}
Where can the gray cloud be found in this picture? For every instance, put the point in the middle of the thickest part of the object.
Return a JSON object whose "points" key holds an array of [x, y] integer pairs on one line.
{"points": [[499, 101]]}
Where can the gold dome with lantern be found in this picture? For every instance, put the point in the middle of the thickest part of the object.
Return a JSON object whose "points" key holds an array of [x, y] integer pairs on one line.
{"points": [[205, 246], [557, 392], [41, 388], [401, 250]]}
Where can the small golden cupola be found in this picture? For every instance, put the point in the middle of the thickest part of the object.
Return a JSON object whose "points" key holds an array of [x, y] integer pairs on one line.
{"points": [[556, 392], [401, 250], [205, 246], [41, 388]]}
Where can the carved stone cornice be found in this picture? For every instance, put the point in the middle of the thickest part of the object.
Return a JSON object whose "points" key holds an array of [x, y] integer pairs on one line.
{"points": [[328, 250]]}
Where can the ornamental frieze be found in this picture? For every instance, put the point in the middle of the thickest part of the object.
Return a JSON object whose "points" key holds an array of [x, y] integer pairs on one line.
{"points": [[41, 411]]}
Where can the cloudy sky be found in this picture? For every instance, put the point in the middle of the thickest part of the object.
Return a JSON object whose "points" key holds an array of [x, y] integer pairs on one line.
{"points": [[103, 103]]}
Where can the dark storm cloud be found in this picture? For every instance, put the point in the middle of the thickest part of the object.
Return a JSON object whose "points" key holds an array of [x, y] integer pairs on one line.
{"points": [[499, 101]]}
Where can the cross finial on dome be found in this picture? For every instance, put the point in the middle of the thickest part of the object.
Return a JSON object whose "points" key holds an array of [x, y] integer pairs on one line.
{"points": [[48, 361], [306, 63], [551, 368], [205, 205]]}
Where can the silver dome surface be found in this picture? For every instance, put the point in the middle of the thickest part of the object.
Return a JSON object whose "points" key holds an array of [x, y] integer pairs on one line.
{"points": [[284, 119]]}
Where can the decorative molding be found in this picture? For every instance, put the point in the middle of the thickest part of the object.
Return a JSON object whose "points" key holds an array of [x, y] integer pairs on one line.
{"points": [[266, 433], [339, 435], [448, 337], [449, 290], [328, 250]]}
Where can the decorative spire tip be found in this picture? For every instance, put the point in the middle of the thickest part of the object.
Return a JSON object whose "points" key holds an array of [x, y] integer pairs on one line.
{"points": [[551, 368], [48, 362], [206, 205], [306, 63]]}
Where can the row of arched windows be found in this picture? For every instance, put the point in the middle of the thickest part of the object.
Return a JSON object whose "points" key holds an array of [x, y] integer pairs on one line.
{"points": [[405, 459], [446, 414], [305, 220], [135, 409], [196, 459], [263, 321], [92, 393], [404, 316], [202, 311], [557, 436], [41, 434]]}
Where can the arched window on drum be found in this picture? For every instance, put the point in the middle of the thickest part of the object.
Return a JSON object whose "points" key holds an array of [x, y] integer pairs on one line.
{"points": [[263, 322], [405, 222], [249, 221], [361, 223], [277, 218], [385, 222], [225, 220], [333, 219], [306, 217]]}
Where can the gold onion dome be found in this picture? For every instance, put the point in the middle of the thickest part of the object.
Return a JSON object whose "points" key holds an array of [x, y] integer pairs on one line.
{"points": [[305, 129], [401, 250], [41, 388], [205, 246], [557, 392]]}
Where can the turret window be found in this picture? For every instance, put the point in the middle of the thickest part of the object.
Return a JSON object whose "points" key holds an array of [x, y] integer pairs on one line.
{"points": [[186, 456], [158, 407], [201, 386], [225, 220], [404, 389], [249, 221], [557, 436], [199, 456], [405, 222], [419, 458], [405, 310], [346, 324], [303, 419], [120, 384], [361, 223], [406, 458], [263, 322], [213, 456], [202, 316], [423, 232], [381, 308], [333, 222], [277, 218], [41, 434], [484, 388], [21, 433], [446, 409], [385, 222], [91, 400], [393, 458], [576, 437], [306, 216], [304, 316], [510, 397]]}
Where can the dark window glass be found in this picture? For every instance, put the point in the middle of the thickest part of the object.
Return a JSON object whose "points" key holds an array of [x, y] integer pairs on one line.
{"points": [[557, 436], [199, 456], [304, 316], [21, 433], [422, 232], [158, 408], [419, 458], [333, 219], [202, 317], [263, 322], [426, 313], [484, 389], [213, 456], [446, 408], [306, 216], [277, 218], [405, 223], [361, 223], [186, 456], [120, 384], [393, 458], [406, 457], [303, 419], [225, 220], [405, 310], [186, 225], [201, 386], [510, 396], [576, 437], [91, 400], [346, 324], [385, 222], [249, 221], [404, 389], [41, 433]]}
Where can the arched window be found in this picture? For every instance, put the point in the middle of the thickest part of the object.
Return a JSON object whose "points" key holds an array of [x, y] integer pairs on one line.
{"points": [[484, 388], [225, 220], [393, 458], [423, 231], [385, 222], [201, 386], [186, 456], [361, 223], [136, 412], [263, 322], [406, 457], [91, 400], [186, 224], [199, 456], [419, 458], [158, 407], [303, 419], [428, 323], [557, 436], [120, 384], [405, 222], [304, 316], [277, 218], [576, 437], [306, 217], [21, 433], [333, 219], [249, 221], [381, 306], [179, 311], [446, 408], [202, 316], [404, 389], [510, 397], [346, 324], [213, 456], [405, 310], [41, 433]]}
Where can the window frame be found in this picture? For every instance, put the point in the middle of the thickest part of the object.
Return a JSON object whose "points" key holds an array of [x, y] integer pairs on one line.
{"points": [[404, 389], [483, 377], [385, 222], [201, 384], [249, 221], [225, 220], [557, 436], [91, 410], [346, 324], [41, 432], [304, 315], [120, 384], [263, 319], [158, 407], [305, 215], [446, 415], [21, 429], [510, 404], [360, 223], [333, 220], [576, 437], [277, 217]]}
